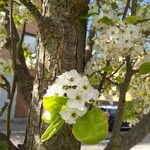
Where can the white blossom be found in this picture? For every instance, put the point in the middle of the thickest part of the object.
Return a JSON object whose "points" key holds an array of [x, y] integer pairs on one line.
{"points": [[54, 89], [71, 78], [70, 115], [78, 91]]}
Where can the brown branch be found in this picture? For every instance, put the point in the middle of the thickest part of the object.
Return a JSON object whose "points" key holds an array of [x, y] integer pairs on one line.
{"points": [[118, 121], [9, 108], [103, 78], [126, 9], [144, 20], [18, 61], [7, 28], [2, 110], [135, 71], [116, 70], [32, 8], [112, 82]]}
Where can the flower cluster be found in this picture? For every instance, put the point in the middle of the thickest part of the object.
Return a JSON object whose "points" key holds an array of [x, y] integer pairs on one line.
{"points": [[94, 65], [120, 40], [139, 94], [2, 29], [115, 37], [79, 92]]}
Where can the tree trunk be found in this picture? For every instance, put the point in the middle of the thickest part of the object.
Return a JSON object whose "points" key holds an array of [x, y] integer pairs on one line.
{"points": [[61, 47]]}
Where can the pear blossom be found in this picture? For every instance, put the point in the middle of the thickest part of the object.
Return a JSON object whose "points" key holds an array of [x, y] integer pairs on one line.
{"points": [[70, 115], [71, 78], [77, 89]]}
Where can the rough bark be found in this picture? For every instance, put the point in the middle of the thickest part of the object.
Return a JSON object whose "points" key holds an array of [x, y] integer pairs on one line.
{"points": [[61, 48]]}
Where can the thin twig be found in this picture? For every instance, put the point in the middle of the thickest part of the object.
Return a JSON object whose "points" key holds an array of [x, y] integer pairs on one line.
{"points": [[103, 78], [2, 110], [116, 70], [144, 20], [112, 82]]}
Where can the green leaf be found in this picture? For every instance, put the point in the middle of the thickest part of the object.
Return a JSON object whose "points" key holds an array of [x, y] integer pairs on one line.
{"points": [[114, 6], [129, 112], [95, 79], [108, 69], [119, 79], [145, 11], [52, 129], [92, 127], [27, 53], [7, 69], [89, 15], [144, 68], [132, 19], [53, 104], [106, 21]]}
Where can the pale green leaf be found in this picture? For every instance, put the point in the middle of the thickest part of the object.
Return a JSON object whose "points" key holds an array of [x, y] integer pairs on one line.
{"points": [[52, 129], [92, 127]]}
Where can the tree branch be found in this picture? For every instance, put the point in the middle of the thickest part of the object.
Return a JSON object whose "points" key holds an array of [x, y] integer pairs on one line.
{"points": [[2, 110], [112, 82], [32, 8], [103, 78], [116, 137], [126, 9], [144, 20], [116, 70], [14, 45]]}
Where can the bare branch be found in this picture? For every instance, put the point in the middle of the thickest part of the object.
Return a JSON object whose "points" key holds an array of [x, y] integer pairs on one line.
{"points": [[103, 78], [112, 82], [121, 104], [2, 110], [126, 9], [144, 20], [116, 70], [14, 45]]}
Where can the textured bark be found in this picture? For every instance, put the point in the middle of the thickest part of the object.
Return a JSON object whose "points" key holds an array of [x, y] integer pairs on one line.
{"points": [[61, 48]]}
